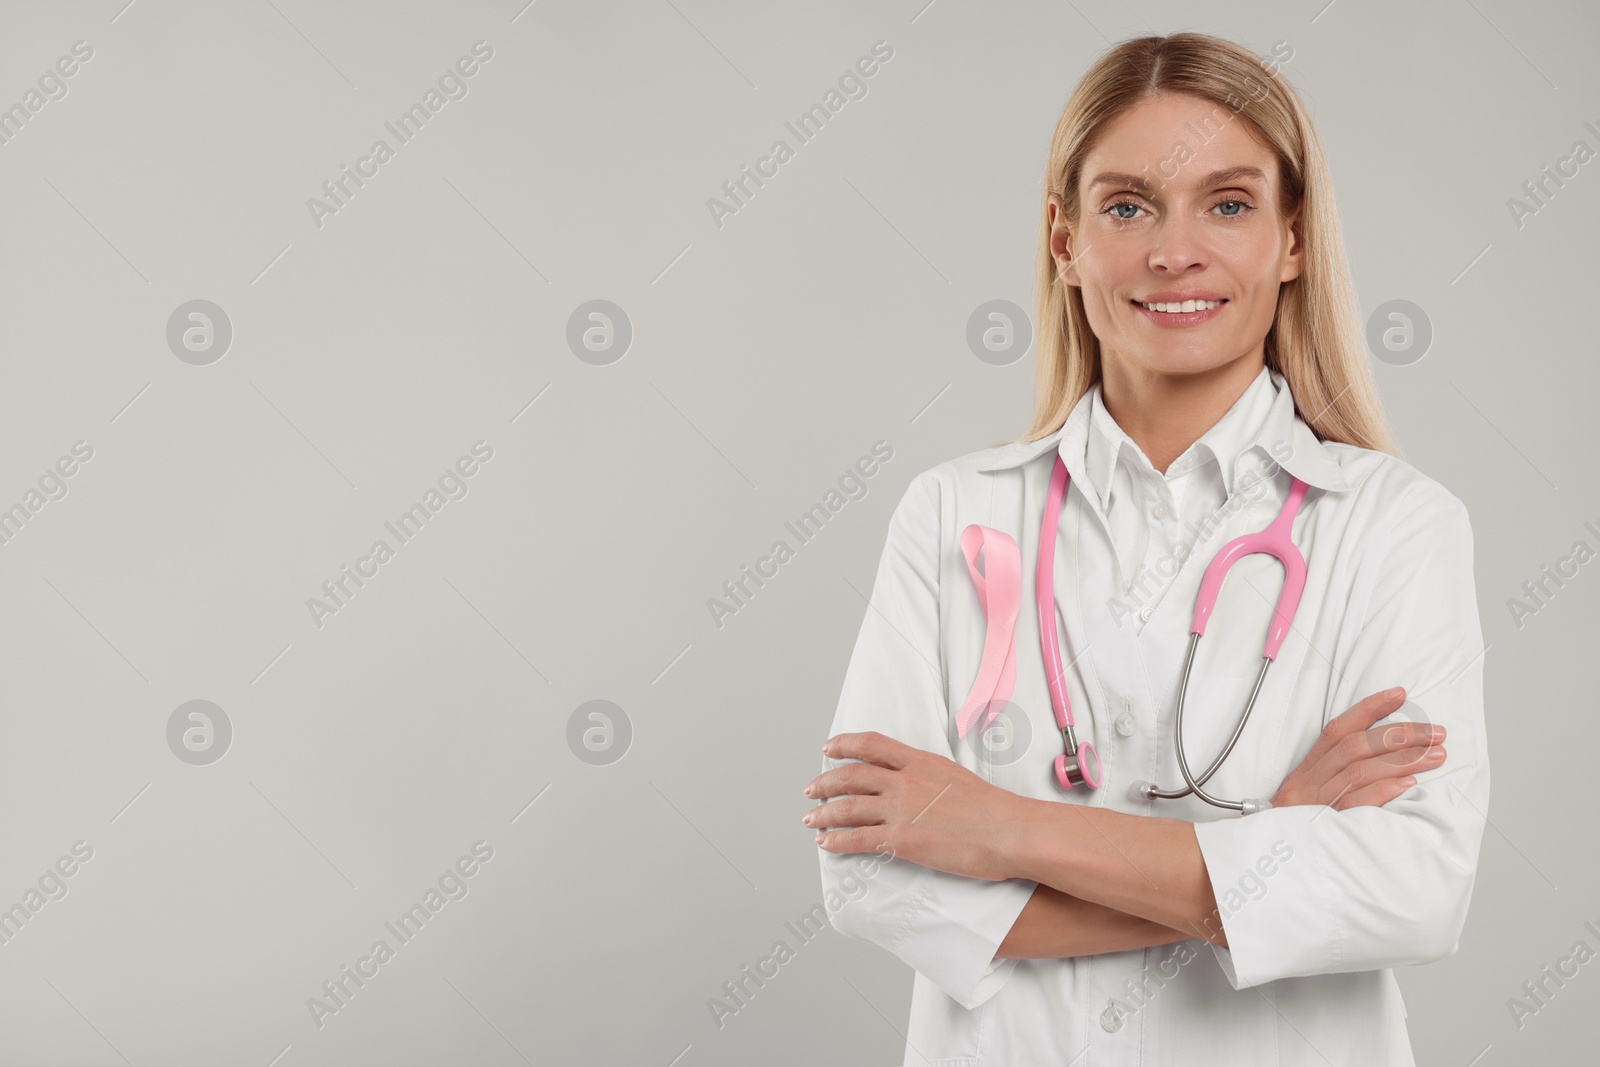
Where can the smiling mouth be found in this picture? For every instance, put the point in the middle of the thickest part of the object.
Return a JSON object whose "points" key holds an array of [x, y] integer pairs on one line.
{"points": [[1186, 307]]}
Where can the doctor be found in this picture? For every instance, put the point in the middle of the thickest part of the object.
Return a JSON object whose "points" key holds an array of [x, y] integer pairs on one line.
{"points": [[1095, 925]]}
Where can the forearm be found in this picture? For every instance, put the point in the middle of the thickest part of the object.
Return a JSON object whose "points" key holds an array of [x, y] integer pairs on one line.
{"points": [[1055, 925], [1148, 867]]}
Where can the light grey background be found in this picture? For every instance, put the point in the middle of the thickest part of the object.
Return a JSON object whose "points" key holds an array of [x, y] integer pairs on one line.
{"points": [[768, 354]]}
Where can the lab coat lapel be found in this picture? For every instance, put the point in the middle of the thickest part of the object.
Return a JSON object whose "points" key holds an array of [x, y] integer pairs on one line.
{"points": [[1012, 506], [1016, 753]]}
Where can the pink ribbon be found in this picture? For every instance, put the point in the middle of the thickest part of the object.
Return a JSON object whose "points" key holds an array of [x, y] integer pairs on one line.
{"points": [[999, 588]]}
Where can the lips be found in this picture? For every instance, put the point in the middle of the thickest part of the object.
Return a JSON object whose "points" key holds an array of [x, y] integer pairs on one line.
{"points": [[1178, 296], [1178, 319], [1177, 304]]}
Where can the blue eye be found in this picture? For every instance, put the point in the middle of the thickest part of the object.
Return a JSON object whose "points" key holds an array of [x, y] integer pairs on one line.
{"points": [[1242, 205]]}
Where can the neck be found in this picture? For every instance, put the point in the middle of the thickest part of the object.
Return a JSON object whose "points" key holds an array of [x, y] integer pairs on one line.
{"points": [[1166, 413]]}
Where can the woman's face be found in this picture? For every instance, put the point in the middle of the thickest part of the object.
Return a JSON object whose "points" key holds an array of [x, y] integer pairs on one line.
{"points": [[1191, 232]]}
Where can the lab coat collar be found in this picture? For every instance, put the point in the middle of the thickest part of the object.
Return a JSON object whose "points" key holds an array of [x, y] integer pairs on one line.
{"points": [[1306, 457]]}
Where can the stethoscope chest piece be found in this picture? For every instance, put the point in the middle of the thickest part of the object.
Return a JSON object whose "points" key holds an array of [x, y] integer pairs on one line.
{"points": [[1080, 769]]}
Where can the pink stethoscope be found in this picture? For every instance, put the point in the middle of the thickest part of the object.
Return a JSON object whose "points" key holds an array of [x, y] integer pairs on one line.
{"points": [[999, 587]]}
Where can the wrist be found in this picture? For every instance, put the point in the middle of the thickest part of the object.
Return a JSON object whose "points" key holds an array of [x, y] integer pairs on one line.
{"points": [[1028, 829]]}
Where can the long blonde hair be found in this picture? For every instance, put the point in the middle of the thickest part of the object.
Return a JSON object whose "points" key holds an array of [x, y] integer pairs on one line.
{"points": [[1316, 340]]}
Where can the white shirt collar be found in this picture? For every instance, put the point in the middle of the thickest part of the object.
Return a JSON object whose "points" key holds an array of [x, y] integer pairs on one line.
{"points": [[1283, 436], [1226, 441]]}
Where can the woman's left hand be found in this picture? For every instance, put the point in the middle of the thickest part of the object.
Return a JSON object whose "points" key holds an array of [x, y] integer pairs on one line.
{"points": [[916, 806]]}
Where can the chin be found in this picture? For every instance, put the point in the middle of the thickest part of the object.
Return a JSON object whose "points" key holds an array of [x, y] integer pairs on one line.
{"points": [[1185, 364]]}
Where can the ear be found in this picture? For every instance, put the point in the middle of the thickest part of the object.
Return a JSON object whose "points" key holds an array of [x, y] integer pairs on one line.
{"points": [[1294, 259], [1060, 243]]}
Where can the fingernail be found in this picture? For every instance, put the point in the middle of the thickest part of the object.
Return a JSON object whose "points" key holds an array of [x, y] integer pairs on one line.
{"points": [[1408, 781], [808, 818], [819, 838], [1436, 734], [1392, 693], [1436, 753], [807, 790]]}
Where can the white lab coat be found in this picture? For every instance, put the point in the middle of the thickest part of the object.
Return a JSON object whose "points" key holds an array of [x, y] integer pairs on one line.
{"points": [[1318, 904]]}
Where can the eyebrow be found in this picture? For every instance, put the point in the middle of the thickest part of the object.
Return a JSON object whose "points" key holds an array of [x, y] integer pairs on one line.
{"points": [[1216, 177]]}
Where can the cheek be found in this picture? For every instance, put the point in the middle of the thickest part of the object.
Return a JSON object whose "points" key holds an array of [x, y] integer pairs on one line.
{"points": [[1099, 304], [1261, 302], [1112, 274], [1254, 273]]}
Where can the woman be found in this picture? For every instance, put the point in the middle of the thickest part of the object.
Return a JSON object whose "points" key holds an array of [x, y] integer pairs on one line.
{"points": [[1094, 925]]}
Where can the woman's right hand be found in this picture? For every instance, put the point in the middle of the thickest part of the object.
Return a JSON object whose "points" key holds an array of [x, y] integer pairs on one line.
{"points": [[1355, 763]]}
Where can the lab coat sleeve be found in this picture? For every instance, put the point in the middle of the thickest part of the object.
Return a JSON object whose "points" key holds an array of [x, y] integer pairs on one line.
{"points": [[1310, 889], [944, 926]]}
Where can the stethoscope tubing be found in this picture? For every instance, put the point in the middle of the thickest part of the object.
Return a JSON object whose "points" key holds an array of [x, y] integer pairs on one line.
{"points": [[1080, 762], [1194, 783]]}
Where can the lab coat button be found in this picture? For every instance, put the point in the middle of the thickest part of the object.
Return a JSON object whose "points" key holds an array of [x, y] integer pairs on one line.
{"points": [[1125, 724], [1111, 1018], [1145, 613]]}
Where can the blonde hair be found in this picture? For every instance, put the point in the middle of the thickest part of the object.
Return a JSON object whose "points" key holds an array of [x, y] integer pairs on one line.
{"points": [[1315, 341]]}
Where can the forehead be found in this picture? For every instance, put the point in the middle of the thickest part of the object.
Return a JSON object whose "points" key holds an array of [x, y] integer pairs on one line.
{"points": [[1179, 140]]}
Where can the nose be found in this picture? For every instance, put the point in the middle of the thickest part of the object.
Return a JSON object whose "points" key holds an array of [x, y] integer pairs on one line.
{"points": [[1177, 245]]}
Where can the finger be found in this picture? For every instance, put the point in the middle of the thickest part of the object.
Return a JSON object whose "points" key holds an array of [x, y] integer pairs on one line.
{"points": [[869, 746], [1398, 735], [1363, 773], [1366, 711], [847, 811], [862, 839], [1375, 795], [1412, 760], [1386, 742], [851, 779], [1358, 719]]}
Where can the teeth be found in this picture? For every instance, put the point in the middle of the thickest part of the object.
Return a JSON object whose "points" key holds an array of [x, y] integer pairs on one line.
{"points": [[1184, 307]]}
